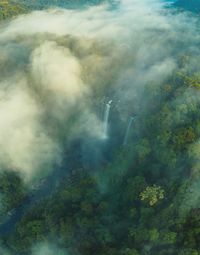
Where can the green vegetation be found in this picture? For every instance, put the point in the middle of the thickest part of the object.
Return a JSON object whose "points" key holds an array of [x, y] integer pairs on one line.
{"points": [[144, 202], [11, 183], [9, 9], [152, 194], [13, 8]]}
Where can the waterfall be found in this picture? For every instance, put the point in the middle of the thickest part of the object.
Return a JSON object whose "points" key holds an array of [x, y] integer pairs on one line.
{"points": [[106, 118], [128, 130]]}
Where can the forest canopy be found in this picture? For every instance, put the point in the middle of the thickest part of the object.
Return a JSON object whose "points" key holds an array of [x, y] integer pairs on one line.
{"points": [[99, 128]]}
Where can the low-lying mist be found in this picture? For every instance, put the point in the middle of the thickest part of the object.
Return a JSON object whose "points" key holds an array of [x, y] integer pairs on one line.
{"points": [[57, 65], [76, 81]]}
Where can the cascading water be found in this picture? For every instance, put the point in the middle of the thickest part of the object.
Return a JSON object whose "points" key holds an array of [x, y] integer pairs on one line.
{"points": [[128, 131], [106, 118]]}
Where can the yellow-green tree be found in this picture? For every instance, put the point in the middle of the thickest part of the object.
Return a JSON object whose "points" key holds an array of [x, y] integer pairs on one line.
{"points": [[152, 194]]}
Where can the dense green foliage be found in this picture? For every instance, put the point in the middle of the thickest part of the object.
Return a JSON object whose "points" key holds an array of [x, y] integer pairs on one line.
{"points": [[9, 9], [12, 8], [42, 4], [144, 201]]}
